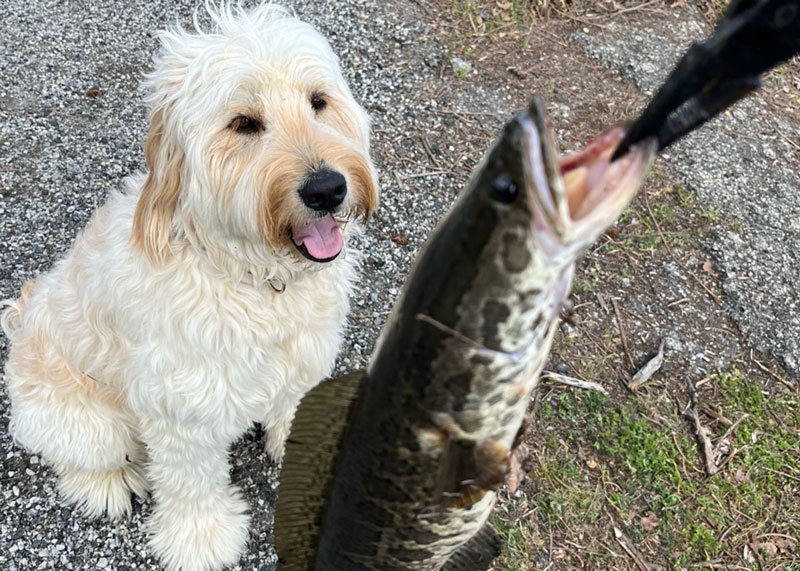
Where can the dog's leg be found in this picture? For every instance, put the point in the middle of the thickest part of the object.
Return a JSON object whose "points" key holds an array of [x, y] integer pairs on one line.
{"points": [[277, 422], [277, 429], [78, 426], [200, 521]]}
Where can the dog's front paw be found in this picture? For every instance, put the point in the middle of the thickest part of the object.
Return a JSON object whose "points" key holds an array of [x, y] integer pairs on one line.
{"points": [[200, 537], [275, 442], [103, 492]]}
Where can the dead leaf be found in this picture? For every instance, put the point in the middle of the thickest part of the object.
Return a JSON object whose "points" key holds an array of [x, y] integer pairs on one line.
{"points": [[678, 4], [516, 72], [93, 93], [400, 239], [741, 476], [709, 268], [649, 522], [643, 375], [766, 548], [786, 544], [747, 555]]}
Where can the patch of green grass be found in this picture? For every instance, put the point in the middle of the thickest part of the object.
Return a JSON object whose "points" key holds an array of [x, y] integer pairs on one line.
{"points": [[735, 225], [646, 242], [520, 10], [684, 196], [645, 466], [664, 213], [489, 17], [711, 213], [516, 539], [585, 284], [643, 232], [464, 8]]}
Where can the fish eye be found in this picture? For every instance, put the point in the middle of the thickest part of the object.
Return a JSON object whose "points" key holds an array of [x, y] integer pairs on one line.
{"points": [[503, 188]]}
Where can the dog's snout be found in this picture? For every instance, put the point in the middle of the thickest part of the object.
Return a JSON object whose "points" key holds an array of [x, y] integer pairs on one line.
{"points": [[324, 190]]}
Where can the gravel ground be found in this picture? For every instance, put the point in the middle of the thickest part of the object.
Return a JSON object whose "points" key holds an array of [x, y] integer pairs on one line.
{"points": [[71, 123], [740, 164]]}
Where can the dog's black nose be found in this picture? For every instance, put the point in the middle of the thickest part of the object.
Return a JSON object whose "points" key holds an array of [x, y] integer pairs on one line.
{"points": [[324, 190]]}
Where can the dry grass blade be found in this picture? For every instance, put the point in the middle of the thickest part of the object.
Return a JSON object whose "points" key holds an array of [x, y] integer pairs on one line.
{"points": [[643, 375]]}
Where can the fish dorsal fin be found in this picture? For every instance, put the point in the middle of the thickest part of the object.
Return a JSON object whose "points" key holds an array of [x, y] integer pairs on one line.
{"points": [[478, 553], [309, 462]]}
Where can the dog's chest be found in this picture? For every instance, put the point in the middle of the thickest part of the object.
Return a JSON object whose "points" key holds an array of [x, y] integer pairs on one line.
{"points": [[281, 345], [303, 323]]}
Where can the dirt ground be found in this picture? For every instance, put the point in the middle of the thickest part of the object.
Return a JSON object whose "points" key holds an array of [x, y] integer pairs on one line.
{"points": [[620, 481]]}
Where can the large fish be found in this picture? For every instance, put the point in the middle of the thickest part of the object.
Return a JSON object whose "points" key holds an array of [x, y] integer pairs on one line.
{"points": [[396, 468]]}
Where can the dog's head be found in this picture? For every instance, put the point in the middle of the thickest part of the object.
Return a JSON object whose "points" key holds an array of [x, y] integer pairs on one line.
{"points": [[255, 141]]}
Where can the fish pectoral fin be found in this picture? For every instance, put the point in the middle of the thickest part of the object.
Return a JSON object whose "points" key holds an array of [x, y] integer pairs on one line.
{"points": [[312, 450], [478, 553], [472, 469]]}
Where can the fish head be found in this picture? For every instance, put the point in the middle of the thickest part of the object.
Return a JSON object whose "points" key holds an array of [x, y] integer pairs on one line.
{"points": [[533, 212], [574, 198]]}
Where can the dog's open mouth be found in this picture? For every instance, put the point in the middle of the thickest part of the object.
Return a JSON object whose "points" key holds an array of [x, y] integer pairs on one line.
{"points": [[319, 240]]}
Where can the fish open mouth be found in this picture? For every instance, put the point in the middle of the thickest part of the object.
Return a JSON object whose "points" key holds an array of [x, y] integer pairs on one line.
{"points": [[319, 240], [588, 175], [581, 193]]}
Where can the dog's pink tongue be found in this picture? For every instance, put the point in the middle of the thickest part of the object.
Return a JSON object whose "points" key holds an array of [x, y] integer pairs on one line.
{"points": [[322, 238]]}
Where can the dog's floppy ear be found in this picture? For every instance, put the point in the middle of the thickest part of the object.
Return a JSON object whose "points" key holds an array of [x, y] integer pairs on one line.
{"points": [[152, 221]]}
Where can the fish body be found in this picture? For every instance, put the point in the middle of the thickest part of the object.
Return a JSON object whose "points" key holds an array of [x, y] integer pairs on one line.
{"points": [[424, 435]]}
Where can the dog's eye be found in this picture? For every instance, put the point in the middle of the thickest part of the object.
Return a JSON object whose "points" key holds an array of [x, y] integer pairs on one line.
{"points": [[318, 102], [246, 125]]}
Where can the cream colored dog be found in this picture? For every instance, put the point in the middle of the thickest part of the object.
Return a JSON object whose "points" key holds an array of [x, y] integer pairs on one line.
{"points": [[209, 294]]}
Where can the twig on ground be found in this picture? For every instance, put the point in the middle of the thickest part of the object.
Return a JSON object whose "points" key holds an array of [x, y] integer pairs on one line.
{"points": [[780, 473], [643, 375], [429, 151], [727, 460], [777, 516], [717, 565], [701, 432], [683, 458], [622, 332], [631, 550], [602, 301], [788, 140], [775, 376], [716, 415], [577, 19], [632, 8], [404, 177], [573, 382], [733, 426]]}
